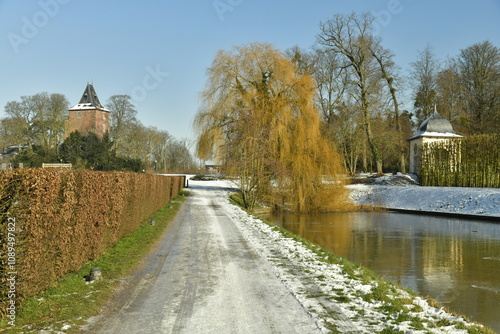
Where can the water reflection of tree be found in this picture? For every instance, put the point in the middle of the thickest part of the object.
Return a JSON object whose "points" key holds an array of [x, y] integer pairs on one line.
{"points": [[455, 262]]}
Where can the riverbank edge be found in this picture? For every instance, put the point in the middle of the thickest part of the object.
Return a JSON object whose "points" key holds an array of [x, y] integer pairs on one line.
{"points": [[373, 279], [392, 194], [494, 219]]}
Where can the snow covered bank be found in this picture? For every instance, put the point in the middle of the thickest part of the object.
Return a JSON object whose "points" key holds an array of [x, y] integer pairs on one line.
{"points": [[456, 200], [338, 301]]}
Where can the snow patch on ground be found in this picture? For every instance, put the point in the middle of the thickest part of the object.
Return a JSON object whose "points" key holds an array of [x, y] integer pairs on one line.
{"points": [[387, 194], [333, 298]]}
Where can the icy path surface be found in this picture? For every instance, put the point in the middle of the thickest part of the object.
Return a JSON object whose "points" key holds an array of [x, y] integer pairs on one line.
{"points": [[205, 278], [219, 270]]}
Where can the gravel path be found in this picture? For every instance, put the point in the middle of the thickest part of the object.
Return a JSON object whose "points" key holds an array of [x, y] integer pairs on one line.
{"points": [[204, 278]]}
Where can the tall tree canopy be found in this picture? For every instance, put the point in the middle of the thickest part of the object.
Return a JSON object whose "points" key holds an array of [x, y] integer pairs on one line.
{"points": [[350, 37], [468, 90], [123, 119], [424, 77], [479, 68], [259, 118], [36, 120]]}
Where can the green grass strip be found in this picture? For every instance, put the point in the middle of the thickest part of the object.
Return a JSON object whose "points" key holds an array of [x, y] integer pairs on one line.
{"points": [[70, 301]]}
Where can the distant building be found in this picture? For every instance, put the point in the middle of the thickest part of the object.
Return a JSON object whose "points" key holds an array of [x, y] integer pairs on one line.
{"points": [[213, 169], [88, 115], [433, 129]]}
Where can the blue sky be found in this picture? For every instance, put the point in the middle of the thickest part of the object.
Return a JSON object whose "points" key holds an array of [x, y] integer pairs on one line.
{"points": [[157, 51]]}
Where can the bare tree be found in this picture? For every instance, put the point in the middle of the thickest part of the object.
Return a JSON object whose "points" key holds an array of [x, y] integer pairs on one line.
{"points": [[304, 60], [333, 83], [424, 75], [39, 119], [23, 115], [57, 116], [11, 132], [450, 101], [389, 73], [340, 116], [161, 149], [479, 67], [345, 131], [123, 120], [350, 37]]}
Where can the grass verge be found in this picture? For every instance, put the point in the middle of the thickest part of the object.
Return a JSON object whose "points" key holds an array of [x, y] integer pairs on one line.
{"points": [[65, 305]]}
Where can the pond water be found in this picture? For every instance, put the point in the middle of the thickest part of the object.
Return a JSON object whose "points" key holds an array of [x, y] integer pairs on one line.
{"points": [[455, 261]]}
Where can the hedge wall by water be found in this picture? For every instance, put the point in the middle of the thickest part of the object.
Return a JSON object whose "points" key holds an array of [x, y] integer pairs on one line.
{"points": [[468, 162], [54, 221]]}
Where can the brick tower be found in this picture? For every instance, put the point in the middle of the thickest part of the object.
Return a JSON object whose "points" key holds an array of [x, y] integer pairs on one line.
{"points": [[88, 115]]}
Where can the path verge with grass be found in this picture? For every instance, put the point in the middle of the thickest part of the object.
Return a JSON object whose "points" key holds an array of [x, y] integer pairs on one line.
{"points": [[65, 305]]}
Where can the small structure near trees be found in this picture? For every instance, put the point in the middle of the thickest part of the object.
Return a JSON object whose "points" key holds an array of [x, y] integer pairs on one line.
{"points": [[434, 129]]}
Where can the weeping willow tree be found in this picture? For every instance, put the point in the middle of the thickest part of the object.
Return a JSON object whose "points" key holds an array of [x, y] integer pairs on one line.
{"points": [[258, 118]]}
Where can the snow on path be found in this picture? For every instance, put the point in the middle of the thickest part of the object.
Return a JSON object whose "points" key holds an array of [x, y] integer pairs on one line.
{"points": [[333, 298], [220, 270], [457, 200], [202, 277]]}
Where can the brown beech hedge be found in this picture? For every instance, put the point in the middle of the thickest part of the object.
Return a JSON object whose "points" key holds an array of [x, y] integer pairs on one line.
{"points": [[54, 221]]}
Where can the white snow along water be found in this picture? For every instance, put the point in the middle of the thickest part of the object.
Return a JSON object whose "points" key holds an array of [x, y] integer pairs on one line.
{"points": [[319, 286], [456, 200]]}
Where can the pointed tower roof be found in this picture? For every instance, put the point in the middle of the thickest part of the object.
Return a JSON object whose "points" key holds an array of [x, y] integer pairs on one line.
{"points": [[435, 126], [89, 100]]}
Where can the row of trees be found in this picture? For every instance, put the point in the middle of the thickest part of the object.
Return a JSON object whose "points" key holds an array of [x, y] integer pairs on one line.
{"points": [[360, 91], [39, 122], [83, 152], [259, 118], [260, 110], [157, 148], [466, 88]]}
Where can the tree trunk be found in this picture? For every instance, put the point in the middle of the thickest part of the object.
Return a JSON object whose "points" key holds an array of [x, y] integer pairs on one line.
{"points": [[402, 162], [392, 90], [368, 130]]}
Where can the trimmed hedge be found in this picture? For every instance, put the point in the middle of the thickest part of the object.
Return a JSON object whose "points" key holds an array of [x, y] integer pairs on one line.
{"points": [[468, 162], [54, 221]]}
